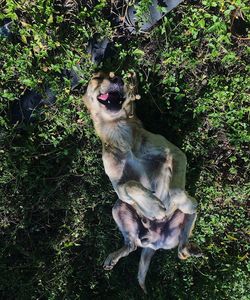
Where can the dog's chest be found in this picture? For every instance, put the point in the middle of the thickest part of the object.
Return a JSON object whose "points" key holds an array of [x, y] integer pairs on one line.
{"points": [[122, 168]]}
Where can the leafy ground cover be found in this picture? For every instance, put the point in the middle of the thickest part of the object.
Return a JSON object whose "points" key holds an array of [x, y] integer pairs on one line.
{"points": [[56, 224]]}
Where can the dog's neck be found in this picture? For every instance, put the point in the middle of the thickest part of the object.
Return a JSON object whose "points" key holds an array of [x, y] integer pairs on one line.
{"points": [[119, 133]]}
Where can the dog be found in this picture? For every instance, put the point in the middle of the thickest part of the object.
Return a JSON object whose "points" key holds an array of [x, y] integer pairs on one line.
{"points": [[147, 172]]}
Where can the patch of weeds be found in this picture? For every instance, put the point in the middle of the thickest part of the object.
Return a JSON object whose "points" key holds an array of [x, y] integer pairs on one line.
{"points": [[56, 224]]}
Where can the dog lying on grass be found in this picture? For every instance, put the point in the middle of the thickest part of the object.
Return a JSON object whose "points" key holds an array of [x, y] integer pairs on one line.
{"points": [[147, 172]]}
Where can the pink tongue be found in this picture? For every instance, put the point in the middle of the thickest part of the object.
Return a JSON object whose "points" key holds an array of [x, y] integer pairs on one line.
{"points": [[103, 96]]}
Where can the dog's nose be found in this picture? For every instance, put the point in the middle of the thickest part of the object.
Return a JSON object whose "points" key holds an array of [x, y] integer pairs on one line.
{"points": [[117, 80]]}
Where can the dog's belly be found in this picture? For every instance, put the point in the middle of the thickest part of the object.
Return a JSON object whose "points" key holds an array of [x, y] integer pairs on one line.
{"points": [[137, 170], [123, 169], [147, 171]]}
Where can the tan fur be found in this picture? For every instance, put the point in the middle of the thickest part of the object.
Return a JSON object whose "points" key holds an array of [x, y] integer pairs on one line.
{"points": [[147, 171], [127, 145]]}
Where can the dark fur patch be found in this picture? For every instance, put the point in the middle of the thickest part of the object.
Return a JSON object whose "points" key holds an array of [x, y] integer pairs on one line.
{"points": [[129, 173]]}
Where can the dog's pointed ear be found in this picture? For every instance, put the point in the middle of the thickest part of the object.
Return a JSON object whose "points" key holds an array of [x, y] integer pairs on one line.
{"points": [[87, 101], [132, 84], [132, 78]]}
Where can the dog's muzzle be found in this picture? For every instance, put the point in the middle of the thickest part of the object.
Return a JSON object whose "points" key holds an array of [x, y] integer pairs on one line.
{"points": [[114, 96]]}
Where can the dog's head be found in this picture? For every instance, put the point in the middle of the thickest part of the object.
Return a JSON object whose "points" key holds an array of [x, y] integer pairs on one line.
{"points": [[108, 96]]}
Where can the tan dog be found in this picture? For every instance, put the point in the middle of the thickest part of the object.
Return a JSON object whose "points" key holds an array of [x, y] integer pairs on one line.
{"points": [[147, 173]]}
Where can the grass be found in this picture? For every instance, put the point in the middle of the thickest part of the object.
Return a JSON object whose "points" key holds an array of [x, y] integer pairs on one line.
{"points": [[56, 224]]}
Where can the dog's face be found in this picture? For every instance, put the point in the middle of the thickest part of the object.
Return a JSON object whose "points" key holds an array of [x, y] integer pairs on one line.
{"points": [[108, 96]]}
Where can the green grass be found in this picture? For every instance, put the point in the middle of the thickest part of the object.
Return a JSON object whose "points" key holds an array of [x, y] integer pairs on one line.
{"points": [[56, 224]]}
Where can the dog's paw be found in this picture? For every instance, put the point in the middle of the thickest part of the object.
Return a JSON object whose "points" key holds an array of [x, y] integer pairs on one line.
{"points": [[183, 253], [189, 250], [109, 262], [155, 212]]}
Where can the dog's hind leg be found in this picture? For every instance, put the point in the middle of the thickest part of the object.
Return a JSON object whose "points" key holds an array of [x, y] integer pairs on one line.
{"points": [[114, 257], [183, 250], [129, 224], [146, 256]]}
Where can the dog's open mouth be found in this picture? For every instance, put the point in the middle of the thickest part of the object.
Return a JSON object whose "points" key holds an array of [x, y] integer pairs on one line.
{"points": [[112, 100]]}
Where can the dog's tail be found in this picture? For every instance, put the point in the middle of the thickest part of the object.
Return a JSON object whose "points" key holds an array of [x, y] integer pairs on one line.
{"points": [[146, 256]]}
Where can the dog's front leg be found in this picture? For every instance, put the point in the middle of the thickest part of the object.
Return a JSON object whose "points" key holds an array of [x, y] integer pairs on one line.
{"points": [[143, 200]]}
